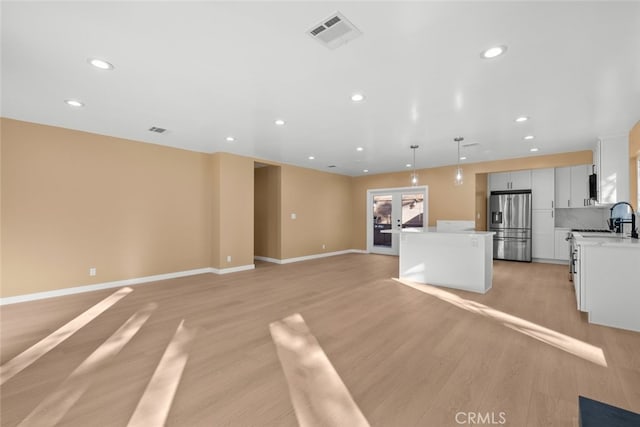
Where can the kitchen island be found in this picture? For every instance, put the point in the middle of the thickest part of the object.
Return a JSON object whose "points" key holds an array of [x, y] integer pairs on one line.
{"points": [[455, 259], [608, 280]]}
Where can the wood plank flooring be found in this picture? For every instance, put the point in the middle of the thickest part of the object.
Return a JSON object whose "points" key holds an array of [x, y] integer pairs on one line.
{"points": [[407, 358]]}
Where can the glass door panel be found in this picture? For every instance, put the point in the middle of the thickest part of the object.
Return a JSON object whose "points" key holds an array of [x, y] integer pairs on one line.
{"points": [[382, 217], [413, 210]]}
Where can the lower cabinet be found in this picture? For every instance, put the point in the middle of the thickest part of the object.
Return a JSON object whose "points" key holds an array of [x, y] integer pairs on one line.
{"points": [[561, 244], [542, 234]]}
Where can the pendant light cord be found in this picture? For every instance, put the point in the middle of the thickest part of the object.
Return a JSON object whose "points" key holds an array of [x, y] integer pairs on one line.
{"points": [[414, 178], [458, 179], [458, 140]]}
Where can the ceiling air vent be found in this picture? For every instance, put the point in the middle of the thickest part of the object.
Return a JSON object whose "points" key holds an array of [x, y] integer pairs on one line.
{"points": [[334, 31], [157, 129], [331, 166]]}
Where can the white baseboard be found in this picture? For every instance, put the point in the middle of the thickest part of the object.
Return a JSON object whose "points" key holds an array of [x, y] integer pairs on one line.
{"points": [[309, 257], [119, 283], [550, 261], [267, 259], [233, 269]]}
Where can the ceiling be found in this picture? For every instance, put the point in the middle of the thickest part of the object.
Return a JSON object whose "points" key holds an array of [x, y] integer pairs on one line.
{"points": [[209, 70]]}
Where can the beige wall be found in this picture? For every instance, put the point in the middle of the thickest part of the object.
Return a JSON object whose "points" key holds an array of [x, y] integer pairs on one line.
{"points": [[446, 200], [214, 209], [73, 200], [267, 218], [322, 204], [481, 201], [234, 205], [634, 154]]}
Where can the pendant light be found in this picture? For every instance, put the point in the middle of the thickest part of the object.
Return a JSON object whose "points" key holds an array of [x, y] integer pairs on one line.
{"points": [[414, 175], [459, 176]]}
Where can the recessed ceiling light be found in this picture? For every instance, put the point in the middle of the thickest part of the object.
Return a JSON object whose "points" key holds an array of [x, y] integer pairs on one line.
{"points": [[279, 122], [528, 137], [463, 158], [311, 158], [408, 165], [493, 52], [74, 103], [230, 139], [359, 149], [533, 150], [522, 119], [357, 97], [100, 63], [365, 170]]}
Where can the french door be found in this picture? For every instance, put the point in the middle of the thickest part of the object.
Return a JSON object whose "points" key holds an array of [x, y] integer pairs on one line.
{"points": [[391, 210]]}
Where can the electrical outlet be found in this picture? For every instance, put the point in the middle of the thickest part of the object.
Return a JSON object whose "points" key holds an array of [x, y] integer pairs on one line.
{"points": [[294, 216], [324, 246], [92, 271], [228, 258]]}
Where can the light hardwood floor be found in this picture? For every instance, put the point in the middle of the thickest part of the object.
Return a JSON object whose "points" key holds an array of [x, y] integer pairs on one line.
{"points": [[407, 358]]}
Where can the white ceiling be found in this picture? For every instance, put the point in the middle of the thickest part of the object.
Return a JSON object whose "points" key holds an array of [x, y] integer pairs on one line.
{"points": [[207, 70]]}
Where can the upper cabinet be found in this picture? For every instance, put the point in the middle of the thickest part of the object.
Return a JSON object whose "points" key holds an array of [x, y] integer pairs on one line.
{"points": [[612, 167], [572, 186], [580, 186], [563, 187], [542, 188], [520, 180]]}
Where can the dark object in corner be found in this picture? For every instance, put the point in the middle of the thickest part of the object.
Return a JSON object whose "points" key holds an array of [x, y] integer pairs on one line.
{"points": [[593, 186], [597, 414]]}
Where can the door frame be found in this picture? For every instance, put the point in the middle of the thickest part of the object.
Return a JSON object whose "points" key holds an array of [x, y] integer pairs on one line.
{"points": [[394, 237]]}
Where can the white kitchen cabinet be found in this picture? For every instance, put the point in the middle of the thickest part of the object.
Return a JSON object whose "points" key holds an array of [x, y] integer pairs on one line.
{"points": [[572, 186], [542, 234], [499, 181], [563, 187], [542, 223], [580, 186], [561, 246], [542, 188], [612, 167], [502, 181], [609, 294], [520, 180]]}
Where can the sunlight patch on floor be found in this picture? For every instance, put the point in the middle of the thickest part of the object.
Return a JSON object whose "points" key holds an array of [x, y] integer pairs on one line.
{"points": [[556, 339], [154, 405], [42, 347], [319, 396], [56, 405]]}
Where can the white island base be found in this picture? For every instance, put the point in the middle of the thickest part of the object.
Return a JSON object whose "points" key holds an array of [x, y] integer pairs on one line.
{"points": [[460, 260]]}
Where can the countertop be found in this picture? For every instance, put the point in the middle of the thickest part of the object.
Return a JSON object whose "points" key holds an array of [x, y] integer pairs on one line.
{"points": [[439, 233], [606, 240], [465, 232]]}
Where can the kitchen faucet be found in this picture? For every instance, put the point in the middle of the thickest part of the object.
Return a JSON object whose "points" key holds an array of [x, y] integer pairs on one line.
{"points": [[615, 224]]}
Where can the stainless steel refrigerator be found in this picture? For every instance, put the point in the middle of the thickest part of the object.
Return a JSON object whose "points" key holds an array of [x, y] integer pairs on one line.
{"points": [[510, 218]]}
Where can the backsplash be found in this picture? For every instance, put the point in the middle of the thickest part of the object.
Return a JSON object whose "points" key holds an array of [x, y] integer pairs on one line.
{"points": [[582, 217]]}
